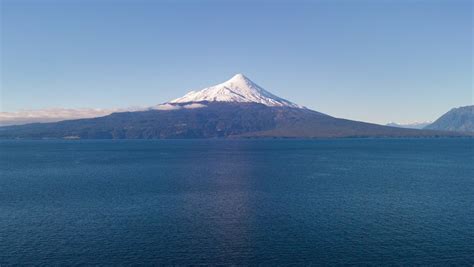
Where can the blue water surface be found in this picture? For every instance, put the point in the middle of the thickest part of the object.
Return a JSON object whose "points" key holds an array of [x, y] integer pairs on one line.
{"points": [[331, 202]]}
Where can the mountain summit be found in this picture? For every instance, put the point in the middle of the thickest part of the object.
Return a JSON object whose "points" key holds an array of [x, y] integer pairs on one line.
{"points": [[238, 89]]}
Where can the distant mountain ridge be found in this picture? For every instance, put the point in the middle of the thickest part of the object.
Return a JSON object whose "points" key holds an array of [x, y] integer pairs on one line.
{"points": [[237, 108], [413, 125], [215, 120], [457, 119], [57, 114]]}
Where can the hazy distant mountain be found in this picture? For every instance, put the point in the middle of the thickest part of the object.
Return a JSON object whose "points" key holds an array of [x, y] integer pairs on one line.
{"points": [[413, 125], [236, 108], [56, 114], [457, 119]]}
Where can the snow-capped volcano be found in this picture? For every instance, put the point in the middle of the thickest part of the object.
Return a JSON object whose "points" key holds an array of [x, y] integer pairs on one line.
{"points": [[236, 108], [238, 89]]}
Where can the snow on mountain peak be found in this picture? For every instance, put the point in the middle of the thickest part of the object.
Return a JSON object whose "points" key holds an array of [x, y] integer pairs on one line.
{"points": [[238, 89]]}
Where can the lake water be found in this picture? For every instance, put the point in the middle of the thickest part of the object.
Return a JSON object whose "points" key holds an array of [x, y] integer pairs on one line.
{"points": [[334, 202]]}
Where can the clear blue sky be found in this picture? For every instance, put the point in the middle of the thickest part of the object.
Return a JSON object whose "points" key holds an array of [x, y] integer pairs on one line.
{"points": [[375, 61]]}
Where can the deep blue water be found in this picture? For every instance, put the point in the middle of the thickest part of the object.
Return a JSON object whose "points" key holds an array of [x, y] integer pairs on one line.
{"points": [[335, 202]]}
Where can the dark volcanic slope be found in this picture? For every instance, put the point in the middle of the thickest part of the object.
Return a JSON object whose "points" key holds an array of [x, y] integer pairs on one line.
{"points": [[457, 119], [297, 124], [218, 119]]}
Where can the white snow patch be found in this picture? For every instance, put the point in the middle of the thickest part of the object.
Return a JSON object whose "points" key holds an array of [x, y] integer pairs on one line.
{"points": [[167, 106], [194, 105]]}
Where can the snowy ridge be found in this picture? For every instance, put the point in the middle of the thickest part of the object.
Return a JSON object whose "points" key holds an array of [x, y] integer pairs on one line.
{"points": [[410, 125], [238, 89]]}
